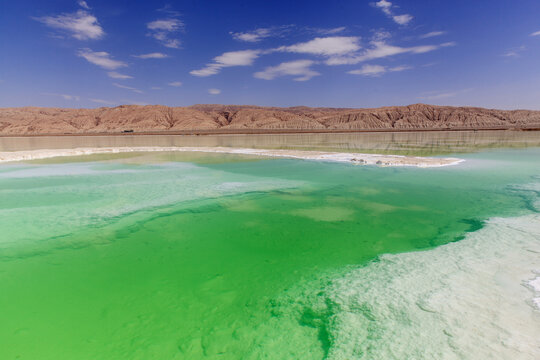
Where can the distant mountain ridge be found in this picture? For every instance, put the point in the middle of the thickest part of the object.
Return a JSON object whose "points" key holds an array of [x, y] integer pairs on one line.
{"points": [[246, 118]]}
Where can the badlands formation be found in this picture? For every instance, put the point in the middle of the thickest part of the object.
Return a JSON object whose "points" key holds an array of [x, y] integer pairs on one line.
{"points": [[254, 119]]}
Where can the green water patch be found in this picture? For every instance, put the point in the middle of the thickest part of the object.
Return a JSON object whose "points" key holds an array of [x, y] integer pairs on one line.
{"points": [[142, 158], [213, 277]]}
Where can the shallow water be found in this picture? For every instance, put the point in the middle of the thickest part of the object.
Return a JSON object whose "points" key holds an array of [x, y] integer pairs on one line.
{"points": [[207, 256], [408, 143]]}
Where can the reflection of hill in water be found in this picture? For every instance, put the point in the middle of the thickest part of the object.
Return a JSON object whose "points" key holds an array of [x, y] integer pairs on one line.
{"points": [[409, 143]]}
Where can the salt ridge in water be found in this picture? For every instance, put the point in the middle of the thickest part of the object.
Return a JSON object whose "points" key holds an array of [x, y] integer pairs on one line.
{"points": [[355, 158]]}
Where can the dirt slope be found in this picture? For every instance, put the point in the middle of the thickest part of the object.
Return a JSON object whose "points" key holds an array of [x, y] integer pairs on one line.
{"points": [[233, 118]]}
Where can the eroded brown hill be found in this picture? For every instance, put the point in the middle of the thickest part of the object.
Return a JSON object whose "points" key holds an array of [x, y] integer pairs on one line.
{"points": [[236, 118]]}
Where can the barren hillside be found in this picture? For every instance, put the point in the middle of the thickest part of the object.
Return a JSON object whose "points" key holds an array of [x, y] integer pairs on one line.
{"points": [[233, 118]]}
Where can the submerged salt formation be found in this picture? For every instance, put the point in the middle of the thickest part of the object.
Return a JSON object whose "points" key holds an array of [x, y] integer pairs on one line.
{"points": [[473, 299]]}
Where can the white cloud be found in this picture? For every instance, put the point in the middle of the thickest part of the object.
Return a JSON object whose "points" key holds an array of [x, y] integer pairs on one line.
{"points": [[81, 25], [448, 44], [537, 33], [210, 69], [380, 49], [70, 97], [402, 19], [260, 33], [432, 34], [331, 31], [228, 59], [299, 68], [175, 83], [214, 91], [65, 96], [400, 68], [327, 46], [369, 70], [252, 36], [128, 88], [237, 58], [155, 88], [115, 75], [435, 95], [155, 55], [101, 58], [106, 102], [83, 4], [377, 70], [386, 7], [162, 29], [511, 53], [165, 25], [381, 35], [515, 52]]}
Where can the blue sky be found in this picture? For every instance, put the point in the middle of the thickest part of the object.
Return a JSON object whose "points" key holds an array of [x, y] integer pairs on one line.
{"points": [[277, 53]]}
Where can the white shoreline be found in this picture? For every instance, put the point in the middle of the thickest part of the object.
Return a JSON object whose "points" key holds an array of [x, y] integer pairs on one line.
{"points": [[353, 158]]}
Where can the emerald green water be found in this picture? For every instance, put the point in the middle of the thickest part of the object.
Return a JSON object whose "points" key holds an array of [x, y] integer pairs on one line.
{"points": [[179, 256]]}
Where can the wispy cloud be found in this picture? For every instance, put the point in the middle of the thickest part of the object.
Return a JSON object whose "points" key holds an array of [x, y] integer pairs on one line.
{"points": [[448, 44], [228, 59], [369, 70], [115, 75], [432, 34], [330, 31], [83, 4], [163, 29], [279, 31], [536, 33], [214, 91], [168, 9], [299, 68], [127, 88], [155, 55], [400, 68], [65, 96], [387, 8], [81, 25], [155, 88], [175, 83], [326, 46], [105, 102], [515, 52], [378, 70], [443, 95], [133, 102], [101, 58], [437, 95], [381, 49], [260, 33]]}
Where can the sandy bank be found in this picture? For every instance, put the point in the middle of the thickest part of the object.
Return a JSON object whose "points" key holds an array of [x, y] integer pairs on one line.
{"points": [[354, 158]]}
